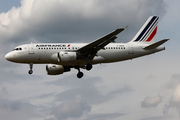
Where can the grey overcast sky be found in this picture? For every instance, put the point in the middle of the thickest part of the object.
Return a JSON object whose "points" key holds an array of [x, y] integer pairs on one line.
{"points": [[146, 88]]}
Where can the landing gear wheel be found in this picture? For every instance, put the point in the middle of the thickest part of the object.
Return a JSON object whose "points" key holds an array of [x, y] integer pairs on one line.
{"points": [[88, 67], [30, 72], [31, 67], [80, 75]]}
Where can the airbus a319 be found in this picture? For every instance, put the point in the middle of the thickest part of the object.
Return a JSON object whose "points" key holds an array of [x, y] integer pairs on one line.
{"points": [[62, 57]]}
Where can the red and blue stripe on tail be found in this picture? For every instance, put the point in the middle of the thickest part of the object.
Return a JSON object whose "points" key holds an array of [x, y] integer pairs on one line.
{"points": [[148, 31]]}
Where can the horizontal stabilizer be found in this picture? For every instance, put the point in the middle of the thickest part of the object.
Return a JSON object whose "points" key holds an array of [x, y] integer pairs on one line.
{"points": [[155, 45]]}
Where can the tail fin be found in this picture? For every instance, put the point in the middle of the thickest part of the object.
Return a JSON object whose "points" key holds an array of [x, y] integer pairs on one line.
{"points": [[148, 31]]}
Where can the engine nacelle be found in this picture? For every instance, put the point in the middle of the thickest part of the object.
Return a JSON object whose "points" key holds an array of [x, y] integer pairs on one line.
{"points": [[64, 57], [56, 69]]}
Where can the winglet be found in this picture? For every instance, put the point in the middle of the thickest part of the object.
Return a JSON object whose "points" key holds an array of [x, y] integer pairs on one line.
{"points": [[126, 27], [155, 45]]}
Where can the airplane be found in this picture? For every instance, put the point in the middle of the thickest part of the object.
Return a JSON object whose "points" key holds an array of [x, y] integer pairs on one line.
{"points": [[62, 57]]}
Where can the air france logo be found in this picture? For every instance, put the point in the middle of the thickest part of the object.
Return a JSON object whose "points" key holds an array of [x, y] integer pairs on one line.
{"points": [[54, 45]]}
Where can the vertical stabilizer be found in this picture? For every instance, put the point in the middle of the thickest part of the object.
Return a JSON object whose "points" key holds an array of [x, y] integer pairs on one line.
{"points": [[148, 31]]}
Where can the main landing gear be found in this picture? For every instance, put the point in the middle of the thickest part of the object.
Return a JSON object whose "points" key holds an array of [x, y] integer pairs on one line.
{"points": [[80, 74], [30, 66], [88, 67]]}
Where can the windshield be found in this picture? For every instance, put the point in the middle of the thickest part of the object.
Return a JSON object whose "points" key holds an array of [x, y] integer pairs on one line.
{"points": [[17, 49]]}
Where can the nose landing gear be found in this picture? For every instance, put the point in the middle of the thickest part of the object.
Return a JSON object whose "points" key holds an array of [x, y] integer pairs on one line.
{"points": [[30, 66]]}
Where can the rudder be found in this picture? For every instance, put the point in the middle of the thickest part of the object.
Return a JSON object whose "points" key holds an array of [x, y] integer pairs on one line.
{"points": [[148, 31]]}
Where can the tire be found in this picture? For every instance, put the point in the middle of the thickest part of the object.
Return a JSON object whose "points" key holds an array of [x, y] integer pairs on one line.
{"points": [[88, 67], [30, 72], [80, 75]]}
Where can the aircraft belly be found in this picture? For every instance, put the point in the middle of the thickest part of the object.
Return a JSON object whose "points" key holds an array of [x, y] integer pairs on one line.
{"points": [[113, 55]]}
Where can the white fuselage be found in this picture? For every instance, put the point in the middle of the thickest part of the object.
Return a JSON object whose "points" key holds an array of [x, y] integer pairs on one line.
{"points": [[45, 53]]}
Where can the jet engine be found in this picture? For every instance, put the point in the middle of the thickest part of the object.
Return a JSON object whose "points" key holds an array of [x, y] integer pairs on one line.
{"points": [[56, 69], [64, 56]]}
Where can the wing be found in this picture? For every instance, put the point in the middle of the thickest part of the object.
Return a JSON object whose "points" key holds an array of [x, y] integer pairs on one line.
{"points": [[90, 50]]}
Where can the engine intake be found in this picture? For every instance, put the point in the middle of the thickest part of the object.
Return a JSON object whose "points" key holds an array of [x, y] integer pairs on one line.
{"points": [[56, 69]]}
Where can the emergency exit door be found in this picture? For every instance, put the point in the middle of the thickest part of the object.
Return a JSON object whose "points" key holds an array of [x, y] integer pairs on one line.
{"points": [[31, 49]]}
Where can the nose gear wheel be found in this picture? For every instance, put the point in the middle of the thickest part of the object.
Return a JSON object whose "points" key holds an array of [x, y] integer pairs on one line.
{"points": [[31, 67]]}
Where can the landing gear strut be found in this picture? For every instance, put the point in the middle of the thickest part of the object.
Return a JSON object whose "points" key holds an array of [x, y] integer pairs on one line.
{"points": [[80, 74], [30, 66]]}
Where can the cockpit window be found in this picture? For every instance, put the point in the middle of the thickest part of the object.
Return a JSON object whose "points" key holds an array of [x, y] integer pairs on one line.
{"points": [[17, 49]]}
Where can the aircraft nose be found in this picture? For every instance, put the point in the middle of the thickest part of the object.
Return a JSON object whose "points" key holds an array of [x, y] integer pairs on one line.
{"points": [[9, 56]]}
